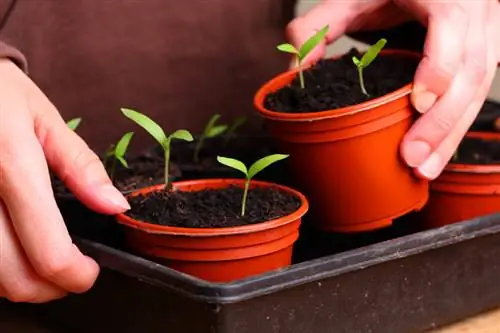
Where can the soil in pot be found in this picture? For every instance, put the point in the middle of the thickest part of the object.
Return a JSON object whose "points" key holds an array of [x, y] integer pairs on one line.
{"points": [[212, 208], [469, 187], [344, 146], [334, 84], [197, 228], [477, 151]]}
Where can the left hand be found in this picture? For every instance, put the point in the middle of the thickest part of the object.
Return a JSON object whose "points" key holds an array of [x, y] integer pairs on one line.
{"points": [[453, 78]]}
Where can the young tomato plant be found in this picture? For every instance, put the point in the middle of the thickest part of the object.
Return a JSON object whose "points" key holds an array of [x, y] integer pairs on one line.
{"points": [[249, 173], [117, 152], [237, 123], [366, 60], [304, 50], [159, 135], [74, 123], [211, 131]]}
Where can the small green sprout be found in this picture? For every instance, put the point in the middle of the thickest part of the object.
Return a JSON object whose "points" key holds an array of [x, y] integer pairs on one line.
{"points": [[118, 151], [74, 123], [237, 123], [304, 50], [159, 135], [366, 60], [211, 131], [249, 173]]}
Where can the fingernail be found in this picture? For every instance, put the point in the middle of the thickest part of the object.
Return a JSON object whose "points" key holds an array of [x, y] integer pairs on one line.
{"points": [[432, 167], [423, 99], [111, 194], [416, 152]]}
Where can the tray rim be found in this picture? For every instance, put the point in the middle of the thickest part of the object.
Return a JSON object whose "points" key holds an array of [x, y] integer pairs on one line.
{"points": [[295, 275]]}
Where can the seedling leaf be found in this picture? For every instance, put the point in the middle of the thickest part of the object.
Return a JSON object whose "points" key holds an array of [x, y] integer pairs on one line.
{"points": [[122, 161], [372, 53], [181, 135], [148, 124], [233, 163], [263, 163], [216, 130], [356, 61], [74, 123], [288, 48], [122, 145], [312, 42]]}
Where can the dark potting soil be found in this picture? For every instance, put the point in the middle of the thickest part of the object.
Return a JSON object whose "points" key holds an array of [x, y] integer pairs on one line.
{"points": [[478, 151], [334, 83], [143, 171], [212, 208]]}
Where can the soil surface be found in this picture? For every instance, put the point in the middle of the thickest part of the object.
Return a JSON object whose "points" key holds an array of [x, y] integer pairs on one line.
{"points": [[143, 171], [478, 151], [212, 208], [334, 83]]}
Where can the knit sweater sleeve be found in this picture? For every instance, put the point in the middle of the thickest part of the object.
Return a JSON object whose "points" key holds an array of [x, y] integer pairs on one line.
{"points": [[10, 52]]}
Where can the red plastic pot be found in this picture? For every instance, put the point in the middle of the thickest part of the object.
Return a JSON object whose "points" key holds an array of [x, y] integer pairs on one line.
{"points": [[463, 191], [218, 254], [347, 160]]}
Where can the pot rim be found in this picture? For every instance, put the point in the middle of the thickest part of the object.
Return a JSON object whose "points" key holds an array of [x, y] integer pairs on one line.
{"points": [[476, 168], [265, 89], [211, 232]]}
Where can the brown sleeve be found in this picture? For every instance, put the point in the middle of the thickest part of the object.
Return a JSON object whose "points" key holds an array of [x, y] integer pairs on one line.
{"points": [[7, 51]]}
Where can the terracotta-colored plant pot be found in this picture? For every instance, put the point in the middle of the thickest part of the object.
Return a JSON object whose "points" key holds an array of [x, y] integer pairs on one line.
{"points": [[347, 161], [218, 254], [463, 191]]}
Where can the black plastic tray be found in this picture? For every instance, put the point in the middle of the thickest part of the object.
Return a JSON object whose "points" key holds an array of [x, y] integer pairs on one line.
{"points": [[396, 280], [408, 284]]}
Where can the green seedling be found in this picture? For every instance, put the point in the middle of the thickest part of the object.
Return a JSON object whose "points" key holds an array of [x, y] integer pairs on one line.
{"points": [[117, 152], [159, 135], [74, 123], [211, 131], [249, 173], [367, 58], [304, 50], [237, 123]]}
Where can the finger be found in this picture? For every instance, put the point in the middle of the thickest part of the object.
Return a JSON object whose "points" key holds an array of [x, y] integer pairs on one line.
{"points": [[443, 52], [433, 139], [18, 280], [26, 191], [76, 165]]}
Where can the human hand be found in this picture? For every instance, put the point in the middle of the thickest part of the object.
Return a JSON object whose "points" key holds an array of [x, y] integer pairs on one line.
{"points": [[453, 78], [38, 261]]}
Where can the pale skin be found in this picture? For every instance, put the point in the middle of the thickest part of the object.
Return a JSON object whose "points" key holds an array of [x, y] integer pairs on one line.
{"points": [[38, 260]]}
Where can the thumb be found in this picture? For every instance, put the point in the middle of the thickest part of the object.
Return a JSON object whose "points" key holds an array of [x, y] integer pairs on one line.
{"points": [[77, 165]]}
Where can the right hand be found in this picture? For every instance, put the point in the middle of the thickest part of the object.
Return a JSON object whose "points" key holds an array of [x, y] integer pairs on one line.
{"points": [[38, 260]]}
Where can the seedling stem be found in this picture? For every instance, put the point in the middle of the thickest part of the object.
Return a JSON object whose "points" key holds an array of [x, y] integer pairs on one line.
{"points": [[249, 173], [211, 131], [304, 50], [367, 58], [118, 152], [159, 135]]}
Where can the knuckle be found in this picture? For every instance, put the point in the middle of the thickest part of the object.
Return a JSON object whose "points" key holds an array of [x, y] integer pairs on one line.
{"points": [[54, 266], [441, 123]]}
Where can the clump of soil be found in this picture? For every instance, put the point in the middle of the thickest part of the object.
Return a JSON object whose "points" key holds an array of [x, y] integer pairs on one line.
{"points": [[478, 151], [212, 208], [143, 171], [334, 83]]}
